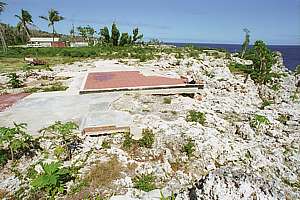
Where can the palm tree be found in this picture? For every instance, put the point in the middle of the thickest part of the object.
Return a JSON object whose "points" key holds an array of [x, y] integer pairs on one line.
{"points": [[25, 19], [53, 16], [2, 7]]}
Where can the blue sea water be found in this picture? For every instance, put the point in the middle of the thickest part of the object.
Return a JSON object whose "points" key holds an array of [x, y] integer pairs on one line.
{"points": [[291, 53]]}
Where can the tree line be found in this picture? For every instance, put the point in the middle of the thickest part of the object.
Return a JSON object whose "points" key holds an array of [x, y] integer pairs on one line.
{"points": [[21, 33]]}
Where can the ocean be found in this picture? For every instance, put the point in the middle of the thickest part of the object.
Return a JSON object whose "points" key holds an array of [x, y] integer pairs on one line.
{"points": [[291, 53]]}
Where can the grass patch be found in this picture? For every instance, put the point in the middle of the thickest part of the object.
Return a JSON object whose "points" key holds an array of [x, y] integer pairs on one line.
{"points": [[194, 116], [144, 182], [259, 120], [103, 174]]}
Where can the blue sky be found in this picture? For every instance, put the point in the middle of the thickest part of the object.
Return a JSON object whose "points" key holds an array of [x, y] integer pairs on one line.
{"points": [[210, 21]]}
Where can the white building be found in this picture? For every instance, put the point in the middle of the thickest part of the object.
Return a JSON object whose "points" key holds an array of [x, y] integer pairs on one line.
{"points": [[79, 44], [41, 41]]}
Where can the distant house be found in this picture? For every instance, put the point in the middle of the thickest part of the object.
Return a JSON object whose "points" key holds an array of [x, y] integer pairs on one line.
{"points": [[42, 42], [79, 44]]}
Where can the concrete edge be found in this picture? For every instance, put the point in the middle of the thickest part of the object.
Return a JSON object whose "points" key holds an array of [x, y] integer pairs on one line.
{"points": [[179, 86]]}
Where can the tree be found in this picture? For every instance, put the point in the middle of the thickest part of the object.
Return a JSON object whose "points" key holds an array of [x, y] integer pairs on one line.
{"points": [[125, 39], [53, 16], [72, 32], [104, 35], [115, 34], [246, 42], [25, 20], [86, 32], [136, 37], [2, 8], [262, 59]]}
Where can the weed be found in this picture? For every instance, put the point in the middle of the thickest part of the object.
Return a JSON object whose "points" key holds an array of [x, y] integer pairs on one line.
{"points": [[283, 118], [148, 138], [58, 86], [259, 120], [53, 179], [105, 145], [276, 87], [194, 116], [14, 80], [167, 100], [128, 142], [64, 132], [144, 182], [189, 148], [17, 141], [294, 96]]}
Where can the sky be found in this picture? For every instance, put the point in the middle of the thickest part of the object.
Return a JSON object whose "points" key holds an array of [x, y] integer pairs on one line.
{"points": [[191, 21]]}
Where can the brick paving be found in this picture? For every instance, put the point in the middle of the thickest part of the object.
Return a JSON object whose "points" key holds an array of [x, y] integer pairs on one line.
{"points": [[121, 79], [7, 100]]}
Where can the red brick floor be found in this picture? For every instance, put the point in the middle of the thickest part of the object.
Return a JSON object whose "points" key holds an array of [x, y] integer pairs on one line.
{"points": [[121, 79], [7, 100]]}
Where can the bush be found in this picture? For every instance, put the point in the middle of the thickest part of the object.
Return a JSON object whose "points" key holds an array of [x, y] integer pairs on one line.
{"points": [[144, 182], [297, 70], [194, 116], [148, 138], [105, 145], [189, 148]]}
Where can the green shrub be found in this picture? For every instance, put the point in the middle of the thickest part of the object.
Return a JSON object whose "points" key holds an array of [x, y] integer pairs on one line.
{"points": [[167, 100], [276, 87], [148, 138], [259, 120], [53, 179], [189, 148], [297, 70], [144, 182], [17, 141], [194, 116], [64, 132], [3, 157], [14, 80], [128, 141]]}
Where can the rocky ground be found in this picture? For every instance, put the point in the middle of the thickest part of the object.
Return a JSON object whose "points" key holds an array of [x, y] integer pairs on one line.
{"points": [[237, 146]]}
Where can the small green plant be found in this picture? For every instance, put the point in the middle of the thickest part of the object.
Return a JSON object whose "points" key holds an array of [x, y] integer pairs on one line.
{"points": [[69, 141], [297, 70], [259, 120], [105, 145], [283, 118], [162, 197], [53, 179], [189, 148], [194, 116], [167, 100], [14, 80], [128, 141], [3, 157], [17, 140], [148, 138], [144, 182]]}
